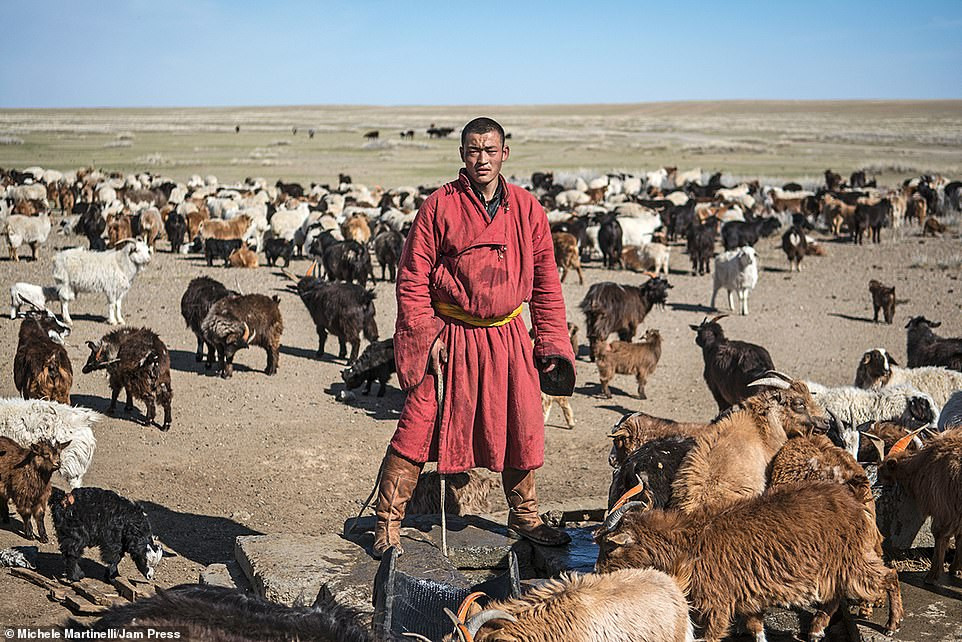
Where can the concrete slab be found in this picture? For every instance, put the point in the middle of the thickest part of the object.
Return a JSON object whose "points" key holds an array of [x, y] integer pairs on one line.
{"points": [[227, 574], [291, 569]]}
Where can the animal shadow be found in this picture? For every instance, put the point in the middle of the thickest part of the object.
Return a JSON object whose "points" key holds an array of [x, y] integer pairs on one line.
{"points": [[690, 307], [849, 317], [204, 539], [101, 404], [386, 408], [311, 355]]}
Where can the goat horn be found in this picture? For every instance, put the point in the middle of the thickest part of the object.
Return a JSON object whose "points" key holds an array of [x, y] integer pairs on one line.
{"points": [[474, 624], [624, 498], [288, 274], [612, 520], [310, 270], [877, 441], [717, 318], [904, 442], [247, 332], [415, 636], [467, 602], [459, 627], [30, 303], [770, 381]]}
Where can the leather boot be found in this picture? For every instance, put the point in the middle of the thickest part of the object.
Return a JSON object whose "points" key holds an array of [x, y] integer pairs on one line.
{"points": [[523, 518], [399, 476]]}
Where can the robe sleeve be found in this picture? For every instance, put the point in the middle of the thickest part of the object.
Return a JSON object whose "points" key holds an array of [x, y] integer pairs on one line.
{"points": [[417, 324], [547, 302]]}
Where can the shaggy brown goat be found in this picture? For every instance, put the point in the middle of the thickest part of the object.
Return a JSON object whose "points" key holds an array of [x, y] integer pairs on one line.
{"points": [[796, 545], [566, 255], [137, 361], [639, 359], [612, 307], [916, 208], [240, 321], [243, 257], [118, 229], [638, 428], [883, 298], [25, 479], [881, 436], [643, 605], [194, 221], [151, 225], [932, 226], [933, 477], [41, 366], [215, 228], [465, 494], [356, 228], [729, 462]]}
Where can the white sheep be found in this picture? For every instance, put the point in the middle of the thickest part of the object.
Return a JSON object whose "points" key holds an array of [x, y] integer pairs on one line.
{"points": [[938, 382], [28, 421], [638, 229], [32, 230], [853, 407], [951, 415], [31, 294], [112, 273], [737, 272], [571, 197], [285, 223]]}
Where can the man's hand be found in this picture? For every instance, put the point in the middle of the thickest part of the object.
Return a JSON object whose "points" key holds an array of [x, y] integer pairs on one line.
{"points": [[548, 364], [439, 356]]}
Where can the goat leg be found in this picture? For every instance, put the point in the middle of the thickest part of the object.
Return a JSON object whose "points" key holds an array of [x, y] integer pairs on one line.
{"points": [[641, 387], [114, 393], [321, 340], [272, 357], [151, 412], [129, 404], [822, 617], [896, 612], [199, 356], [755, 623], [27, 526], [4, 510], [41, 525], [342, 348], [355, 348], [955, 568], [942, 536], [383, 388]]}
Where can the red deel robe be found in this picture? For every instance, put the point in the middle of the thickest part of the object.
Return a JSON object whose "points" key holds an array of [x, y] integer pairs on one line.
{"points": [[454, 253]]}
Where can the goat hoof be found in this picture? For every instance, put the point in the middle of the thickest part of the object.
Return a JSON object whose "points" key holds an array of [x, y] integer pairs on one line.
{"points": [[76, 577], [43, 539], [198, 358], [165, 427], [931, 579]]}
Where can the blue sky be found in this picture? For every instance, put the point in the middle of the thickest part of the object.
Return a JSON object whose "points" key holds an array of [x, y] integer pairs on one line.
{"points": [[118, 53]]}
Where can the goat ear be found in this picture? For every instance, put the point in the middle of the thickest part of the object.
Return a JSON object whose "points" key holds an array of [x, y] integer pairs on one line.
{"points": [[892, 362], [622, 538], [61, 445], [92, 345]]}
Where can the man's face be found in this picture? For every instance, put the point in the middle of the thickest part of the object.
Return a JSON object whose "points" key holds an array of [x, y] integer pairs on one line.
{"points": [[483, 155]]}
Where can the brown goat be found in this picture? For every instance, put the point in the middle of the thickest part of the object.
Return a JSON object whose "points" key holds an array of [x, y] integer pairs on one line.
{"points": [[883, 298], [933, 477], [837, 214], [887, 433], [798, 544], [627, 604], [194, 221], [118, 229], [222, 229], [41, 366], [465, 494], [932, 226], [240, 321], [243, 257], [639, 428], [566, 255], [621, 357], [356, 228], [916, 208], [25, 479], [547, 401], [729, 463], [151, 225]]}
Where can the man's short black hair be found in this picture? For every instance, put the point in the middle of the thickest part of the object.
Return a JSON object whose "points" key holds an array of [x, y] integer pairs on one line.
{"points": [[482, 125]]}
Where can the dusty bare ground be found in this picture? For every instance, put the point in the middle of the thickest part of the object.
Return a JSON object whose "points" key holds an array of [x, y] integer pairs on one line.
{"points": [[260, 454]]}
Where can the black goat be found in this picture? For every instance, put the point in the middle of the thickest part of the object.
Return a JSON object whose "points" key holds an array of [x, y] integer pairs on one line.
{"points": [[102, 518], [201, 293], [291, 189], [729, 365], [278, 248], [342, 309], [612, 307], [795, 245], [217, 614], [220, 249], [240, 321], [176, 228], [701, 247], [387, 248], [925, 348], [610, 241], [375, 363], [91, 224], [653, 465], [736, 234], [871, 217], [680, 219], [348, 261], [137, 361]]}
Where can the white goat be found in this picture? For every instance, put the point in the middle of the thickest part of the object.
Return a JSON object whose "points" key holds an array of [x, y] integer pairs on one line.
{"points": [[638, 229], [853, 407], [32, 230], [31, 294], [877, 371], [28, 421], [112, 273], [737, 272]]}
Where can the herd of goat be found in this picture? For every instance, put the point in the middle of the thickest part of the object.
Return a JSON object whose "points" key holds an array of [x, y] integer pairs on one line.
{"points": [[708, 523]]}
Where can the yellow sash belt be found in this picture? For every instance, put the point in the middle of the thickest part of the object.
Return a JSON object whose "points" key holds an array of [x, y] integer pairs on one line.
{"points": [[457, 312]]}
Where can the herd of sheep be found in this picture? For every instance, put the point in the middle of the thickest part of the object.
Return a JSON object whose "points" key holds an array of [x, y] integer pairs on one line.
{"points": [[708, 522]]}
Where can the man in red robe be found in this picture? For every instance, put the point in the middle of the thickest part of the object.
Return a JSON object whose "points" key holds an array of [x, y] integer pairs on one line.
{"points": [[478, 249]]}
